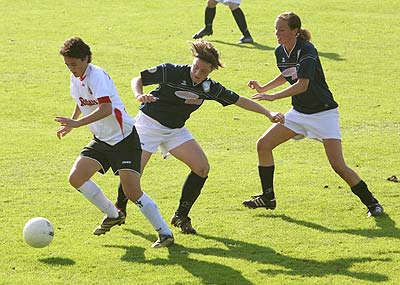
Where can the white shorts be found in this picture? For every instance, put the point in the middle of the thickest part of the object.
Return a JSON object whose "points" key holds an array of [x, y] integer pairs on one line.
{"points": [[319, 126], [153, 135], [232, 1]]}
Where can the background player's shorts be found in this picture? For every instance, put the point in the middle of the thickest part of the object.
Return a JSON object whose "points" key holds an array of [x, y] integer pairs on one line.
{"points": [[154, 135], [319, 126], [125, 155], [232, 1]]}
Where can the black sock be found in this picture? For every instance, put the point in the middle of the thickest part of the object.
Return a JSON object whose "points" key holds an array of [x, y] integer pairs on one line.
{"points": [[241, 21], [122, 200], [190, 192], [209, 17], [366, 197], [266, 174]]}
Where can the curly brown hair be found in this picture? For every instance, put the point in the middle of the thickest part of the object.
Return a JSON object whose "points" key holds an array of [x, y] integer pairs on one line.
{"points": [[76, 48], [206, 51]]}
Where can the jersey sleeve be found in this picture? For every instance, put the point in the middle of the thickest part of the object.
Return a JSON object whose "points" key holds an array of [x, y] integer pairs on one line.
{"points": [[307, 62], [222, 95], [97, 84], [156, 75]]}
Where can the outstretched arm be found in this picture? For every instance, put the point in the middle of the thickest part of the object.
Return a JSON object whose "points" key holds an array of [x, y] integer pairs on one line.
{"points": [[299, 87], [247, 104]]}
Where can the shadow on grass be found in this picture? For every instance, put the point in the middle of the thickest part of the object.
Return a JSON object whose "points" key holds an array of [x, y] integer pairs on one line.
{"points": [[57, 261], [218, 273], [386, 227], [331, 55], [208, 272], [254, 45]]}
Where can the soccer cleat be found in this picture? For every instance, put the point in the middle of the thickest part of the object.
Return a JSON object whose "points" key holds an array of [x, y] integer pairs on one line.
{"points": [[108, 223], [184, 223], [163, 241], [206, 31], [245, 40], [260, 202], [375, 210]]}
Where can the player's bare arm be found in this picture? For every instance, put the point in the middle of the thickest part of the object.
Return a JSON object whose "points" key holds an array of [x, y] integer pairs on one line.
{"points": [[137, 89], [64, 130], [276, 82], [247, 104], [299, 87], [104, 110]]}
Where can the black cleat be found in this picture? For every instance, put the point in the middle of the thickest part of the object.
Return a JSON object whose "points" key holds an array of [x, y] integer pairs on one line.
{"points": [[375, 210], [184, 223], [108, 223], [260, 202], [245, 40], [163, 241], [203, 32]]}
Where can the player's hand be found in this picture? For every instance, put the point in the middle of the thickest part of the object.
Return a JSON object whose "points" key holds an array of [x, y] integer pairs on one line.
{"points": [[62, 131], [147, 98], [276, 117], [263, 96], [253, 84], [67, 122]]}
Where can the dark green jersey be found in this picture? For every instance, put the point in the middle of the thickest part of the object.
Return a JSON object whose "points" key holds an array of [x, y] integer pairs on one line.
{"points": [[178, 96], [303, 62]]}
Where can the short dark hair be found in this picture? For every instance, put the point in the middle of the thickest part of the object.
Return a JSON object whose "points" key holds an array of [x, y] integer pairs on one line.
{"points": [[76, 48], [207, 52]]}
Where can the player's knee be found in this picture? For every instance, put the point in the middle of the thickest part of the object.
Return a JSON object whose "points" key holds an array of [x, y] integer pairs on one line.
{"points": [[211, 3], [233, 6], [75, 180], [340, 168], [202, 170], [263, 145]]}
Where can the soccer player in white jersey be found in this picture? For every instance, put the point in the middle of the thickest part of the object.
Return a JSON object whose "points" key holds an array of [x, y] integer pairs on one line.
{"points": [[314, 113], [237, 14], [115, 144], [181, 90]]}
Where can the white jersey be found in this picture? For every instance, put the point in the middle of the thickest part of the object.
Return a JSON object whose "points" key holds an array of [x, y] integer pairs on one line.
{"points": [[87, 89]]}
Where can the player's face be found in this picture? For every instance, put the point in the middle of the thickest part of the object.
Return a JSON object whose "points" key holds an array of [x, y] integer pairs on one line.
{"points": [[283, 33], [77, 66], [200, 70]]}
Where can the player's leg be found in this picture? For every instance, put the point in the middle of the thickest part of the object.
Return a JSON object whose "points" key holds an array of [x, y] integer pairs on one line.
{"points": [[83, 169], [122, 200], [240, 19], [193, 156], [333, 150], [130, 181], [274, 136], [209, 15]]}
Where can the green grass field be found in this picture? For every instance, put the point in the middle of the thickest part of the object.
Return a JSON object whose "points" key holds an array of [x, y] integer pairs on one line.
{"points": [[319, 233]]}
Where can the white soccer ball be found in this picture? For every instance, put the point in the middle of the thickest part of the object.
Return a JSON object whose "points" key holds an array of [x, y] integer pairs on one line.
{"points": [[38, 232]]}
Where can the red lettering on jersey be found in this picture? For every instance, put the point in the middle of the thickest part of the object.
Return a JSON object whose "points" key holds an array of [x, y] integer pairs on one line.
{"points": [[104, 99], [86, 102], [194, 101]]}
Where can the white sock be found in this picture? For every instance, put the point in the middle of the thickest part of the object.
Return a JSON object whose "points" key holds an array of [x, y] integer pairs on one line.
{"points": [[93, 193], [150, 210]]}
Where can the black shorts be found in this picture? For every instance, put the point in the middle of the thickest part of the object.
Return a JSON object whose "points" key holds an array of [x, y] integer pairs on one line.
{"points": [[125, 155]]}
